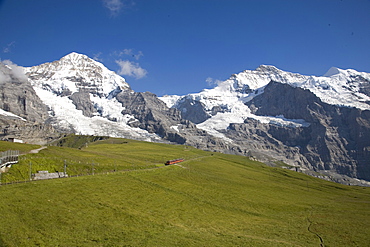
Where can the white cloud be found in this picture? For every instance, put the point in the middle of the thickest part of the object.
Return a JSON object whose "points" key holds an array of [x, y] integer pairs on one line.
{"points": [[4, 75], [8, 47], [209, 81], [97, 57], [129, 52], [138, 55], [126, 52], [217, 82], [10, 71], [114, 6], [130, 69], [212, 82]]}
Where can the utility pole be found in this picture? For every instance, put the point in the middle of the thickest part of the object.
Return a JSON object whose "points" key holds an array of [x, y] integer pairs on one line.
{"points": [[65, 168], [92, 168], [30, 171]]}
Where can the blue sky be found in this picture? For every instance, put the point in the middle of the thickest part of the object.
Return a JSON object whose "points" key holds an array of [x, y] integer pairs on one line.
{"points": [[182, 46]]}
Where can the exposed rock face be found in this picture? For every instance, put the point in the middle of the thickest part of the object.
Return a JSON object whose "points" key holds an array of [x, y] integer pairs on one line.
{"points": [[338, 138], [30, 132], [193, 110], [152, 114], [81, 100], [261, 141], [312, 123], [18, 97]]}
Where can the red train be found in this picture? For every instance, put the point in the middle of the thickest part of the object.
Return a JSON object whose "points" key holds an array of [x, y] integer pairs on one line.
{"points": [[171, 162]]}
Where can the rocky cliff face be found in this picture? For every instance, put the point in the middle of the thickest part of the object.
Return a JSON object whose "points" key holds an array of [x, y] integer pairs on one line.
{"points": [[338, 138], [18, 96], [82, 101], [311, 123], [29, 132], [30, 120], [151, 114], [193, 110]]}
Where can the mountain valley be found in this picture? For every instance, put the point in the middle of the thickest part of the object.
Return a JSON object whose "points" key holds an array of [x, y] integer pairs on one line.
{"points": [[316, 125]]}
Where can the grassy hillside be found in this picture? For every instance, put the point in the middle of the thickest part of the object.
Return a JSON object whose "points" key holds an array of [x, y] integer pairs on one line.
{"points": [[212, 199], [23, 148], [77, 141], [100, 156]]}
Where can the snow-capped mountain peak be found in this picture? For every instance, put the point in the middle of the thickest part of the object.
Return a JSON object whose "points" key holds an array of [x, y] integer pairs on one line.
{"points": [[336, 72], [338, 87], [343, 87], [268, 68], [226, 102], [260, 77], [75, 56], [75, 72], [81, 95], [332, 71]]}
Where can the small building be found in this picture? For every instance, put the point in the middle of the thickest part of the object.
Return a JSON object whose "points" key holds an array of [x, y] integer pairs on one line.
{"points": [[13, 139], [40, 175]]}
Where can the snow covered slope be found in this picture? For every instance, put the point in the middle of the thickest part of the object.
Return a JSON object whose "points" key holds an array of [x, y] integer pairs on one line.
{"points": [[341, 87], [73, 72], [225, 103], [10, 115], [80, 93]]}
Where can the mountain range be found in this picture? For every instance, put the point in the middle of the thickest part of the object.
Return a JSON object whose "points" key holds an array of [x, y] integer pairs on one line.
{"points": [[319, 125]]}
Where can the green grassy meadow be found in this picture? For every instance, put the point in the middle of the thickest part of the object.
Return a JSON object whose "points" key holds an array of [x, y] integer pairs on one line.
{"points": [[211, 199]]}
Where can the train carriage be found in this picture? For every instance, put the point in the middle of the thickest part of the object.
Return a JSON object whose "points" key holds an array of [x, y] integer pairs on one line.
{"points": [[171, 162]]}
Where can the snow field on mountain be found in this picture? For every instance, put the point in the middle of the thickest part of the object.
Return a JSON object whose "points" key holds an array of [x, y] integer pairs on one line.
{"points": [[336, 90], [68, 71], [260, 77], [76, 72], [68, 116], [72, 73], [9, 114], [170, 100], [231, 95], [109, 108], [336, 87]]}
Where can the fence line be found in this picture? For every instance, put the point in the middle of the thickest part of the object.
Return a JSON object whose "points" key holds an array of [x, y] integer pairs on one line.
{"points": [[70, 170], [9, 157]]}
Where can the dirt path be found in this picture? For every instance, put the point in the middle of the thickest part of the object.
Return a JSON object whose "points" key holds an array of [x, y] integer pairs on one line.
{"points": [[313, 232], [35, 151]]}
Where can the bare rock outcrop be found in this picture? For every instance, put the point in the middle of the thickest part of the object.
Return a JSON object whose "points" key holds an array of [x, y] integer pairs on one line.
{"points": [[152, 114], [338, 138], [18, 97]]}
